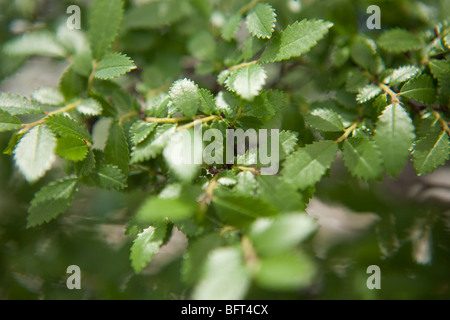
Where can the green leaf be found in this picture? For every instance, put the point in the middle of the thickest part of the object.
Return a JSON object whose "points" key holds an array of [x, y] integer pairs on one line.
{"points": [[35, 153], [399, 40], [67, 127], [203, 46], [224, 276], [145, 246], [155, 210], [51, 201], [296, 40], [116, 149], [421, 89], [394, 136], [18, 105], [363, 53], [368, 92], [325, 120], [306, 166], [431, 152], [72, 149], [85, 167], [246, 183], [283, 196], [104, 21], [90, 107], [185, 97], [247, 81], [140, 130], [281, 234], [240, 210], [110, 177], [8, 122], [49, 96], [114, 65], [153, 145], [207, 102], [72, 85], [286, 272], [403, 74], [231, 26], [363, 158], [261, 20], [40, 43]]}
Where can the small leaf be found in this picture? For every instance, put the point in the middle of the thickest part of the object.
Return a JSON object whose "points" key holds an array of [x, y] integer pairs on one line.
{"points": [[325, 120], [140, 130], [362, 158], [114, 65], [90, 107], [72, 149], [85, 167], [368, 92], [184, 95], [67, 127], [231, 26], [394, 136], [403, 74], [283, 196], [261, 20], [116, 149], [421, 89], [145, 246], [247, 81], [155, 210], [306, 166], [104, 21], [18, 105], [8, 122], [399, 40], [296, 40], [153, 145], [207, 102], [48, 96], [35, 153], [110, 177], [431, 152], [41, 43]]}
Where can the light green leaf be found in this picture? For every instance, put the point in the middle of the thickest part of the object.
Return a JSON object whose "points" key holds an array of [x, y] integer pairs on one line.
{"points": [[114, 65], [104, 21], [140, 130], [207, 102], [363, 52], [35, 153], [145, 246], [306, 166], [296, 40], [247, 81], [72, 149], [51, 201], [8, 122], [261, 20], [421, 89], [40, 43], [403, 74], [155, 210], [231, 26], [325, 120], [363, 158], [283, 196], [224, 276], [399, 40], [203, 46], [48, 96], [431, 152], [116, 149], [394, 136], [90, 107], [368, 92], [185, 97], [281, 234], [18, 105], [246, 183], [67, 127], [153, 145], [110, 177]]}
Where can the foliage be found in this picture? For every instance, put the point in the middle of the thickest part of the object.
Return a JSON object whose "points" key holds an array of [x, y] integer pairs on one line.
{"points": [[141, 74]]}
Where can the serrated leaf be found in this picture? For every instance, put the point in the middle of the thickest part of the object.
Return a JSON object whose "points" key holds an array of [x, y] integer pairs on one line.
{"points": [[153, 145], [8, 122], [49, 96], [362, 158], [185, 97], [281, 234], [104, 21], [421, 89], [51, 201], [35, 153], [394, 136], [90, 107], [266, 104], [296, 40], [368, 93], [67, 127], [261, 20], [246, 183], [145, 246], [72, 149], [110, 177], [155, 210], [85, 167], [18, 105], [140, 130], [325, 120], [231, 26], [403, 74], [207, 102], [71, 84], [41, 43], [247, 81], [231, 283], [399, 40], [431, 152], [306, 166], [283, 196], [114, 65], [363, 53], [116, 149]]}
